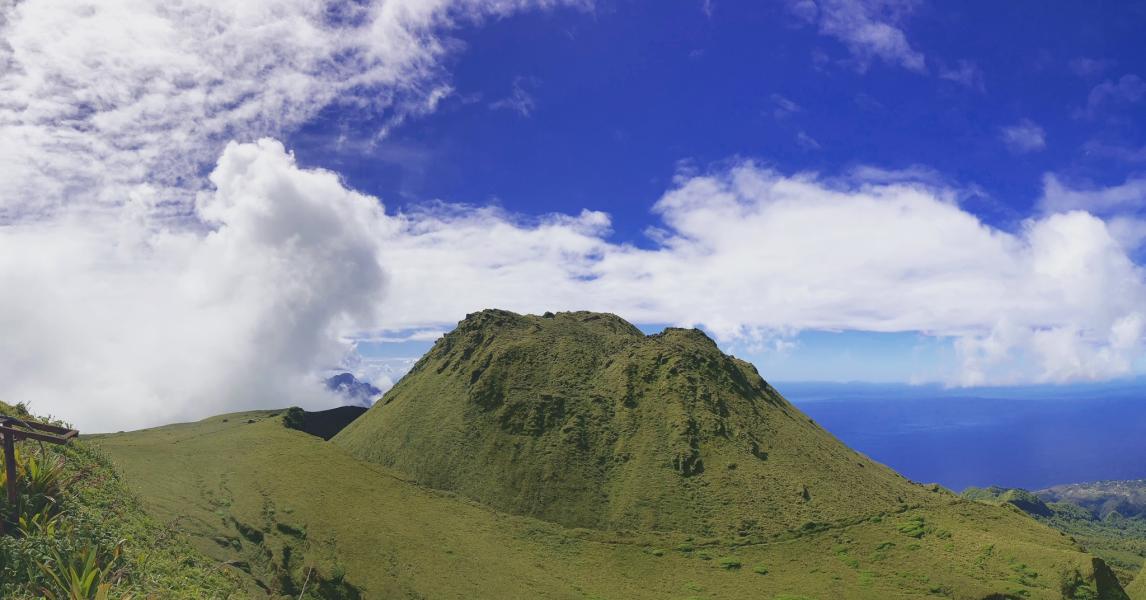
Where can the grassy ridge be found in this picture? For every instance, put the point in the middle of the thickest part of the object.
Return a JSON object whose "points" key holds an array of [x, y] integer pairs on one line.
{"points": [[248, 490]]}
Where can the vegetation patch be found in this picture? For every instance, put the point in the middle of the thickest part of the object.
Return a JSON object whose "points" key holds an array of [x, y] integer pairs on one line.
{"points": [[81, 533]]}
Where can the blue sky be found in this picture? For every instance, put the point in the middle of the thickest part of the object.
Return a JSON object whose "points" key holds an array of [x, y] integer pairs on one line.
{"points": [[618, 97], [210, 207], [565, 110]]}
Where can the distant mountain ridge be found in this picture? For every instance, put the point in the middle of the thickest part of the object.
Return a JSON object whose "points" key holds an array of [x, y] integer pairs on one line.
{"points": [[1106, 516], [1126, 497], [353, 389]]}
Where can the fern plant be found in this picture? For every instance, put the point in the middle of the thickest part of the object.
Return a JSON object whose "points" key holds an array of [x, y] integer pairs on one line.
{"points": [[39, 482], [82, 576]]}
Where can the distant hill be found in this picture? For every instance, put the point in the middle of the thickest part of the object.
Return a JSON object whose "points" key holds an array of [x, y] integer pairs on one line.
{"points": [[1087, 512], [353, 389], [324, 423], [1127, 498]]}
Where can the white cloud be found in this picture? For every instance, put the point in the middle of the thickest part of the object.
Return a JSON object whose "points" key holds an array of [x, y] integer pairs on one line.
{"points": [[1129, 89], [966, 73], [1120, 152], [1024, 137], [1122, 205], [749, 250], [870, 29], [117, 322], [123, 321], [784, 107], [1084, 66], [1127, 196], [100, 101], [152, 294], [806, 141], [519, 99]]}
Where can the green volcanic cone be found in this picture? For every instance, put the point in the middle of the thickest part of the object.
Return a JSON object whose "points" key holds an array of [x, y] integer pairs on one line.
{"points": [[581, 419]]}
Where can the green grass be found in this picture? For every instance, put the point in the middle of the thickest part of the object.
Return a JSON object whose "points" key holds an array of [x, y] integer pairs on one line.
{"points": [[1121, 542], [96, 517], [232, 484], [581, 419], [730, 563]]}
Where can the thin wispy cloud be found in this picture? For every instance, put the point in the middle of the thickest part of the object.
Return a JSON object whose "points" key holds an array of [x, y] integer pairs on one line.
{"points": [[1087, 67], [1120, 152], [519, 100], [783, 107], [965, 73], [1128, 90], [1024, 137], [871, 30], [141, 95], [806, 141]]}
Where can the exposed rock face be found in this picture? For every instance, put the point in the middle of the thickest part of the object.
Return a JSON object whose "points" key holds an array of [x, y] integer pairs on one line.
{"points": [[581, 419]]}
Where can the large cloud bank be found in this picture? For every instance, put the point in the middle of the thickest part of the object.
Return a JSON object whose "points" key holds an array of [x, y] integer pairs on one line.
{"points": [[748, 253], [129, 322], [118, 323], [136, 289]]}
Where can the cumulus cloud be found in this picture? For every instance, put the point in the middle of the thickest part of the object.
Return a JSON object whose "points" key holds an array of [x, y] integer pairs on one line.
{"points": [[747, 252], [138, 291], [125, 321], [119, 323], [140, 95], [1059, 197], [1024, 136], [1122, 206], [871, 30]]}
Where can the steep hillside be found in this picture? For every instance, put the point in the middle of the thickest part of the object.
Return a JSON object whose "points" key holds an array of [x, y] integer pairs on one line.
{"points": [[1120, 541], [581, 419], [280, 505], [77, 514], [1137, 589]]}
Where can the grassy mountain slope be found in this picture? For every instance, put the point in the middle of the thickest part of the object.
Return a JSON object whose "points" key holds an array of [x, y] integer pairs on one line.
{"points": [[246, 491], [581, 419], [1119, 540], [95, 512], [1137, 588]]}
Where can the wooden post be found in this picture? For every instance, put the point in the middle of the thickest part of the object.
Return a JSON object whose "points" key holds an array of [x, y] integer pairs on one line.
{"points": [[10, 472], [12, 430]]}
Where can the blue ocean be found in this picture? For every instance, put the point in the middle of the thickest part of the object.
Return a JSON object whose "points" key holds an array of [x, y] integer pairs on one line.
{"points": [[1030, 437]]}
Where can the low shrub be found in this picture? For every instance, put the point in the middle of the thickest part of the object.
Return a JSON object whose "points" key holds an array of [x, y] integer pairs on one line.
{"points": [[730, 563]]}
